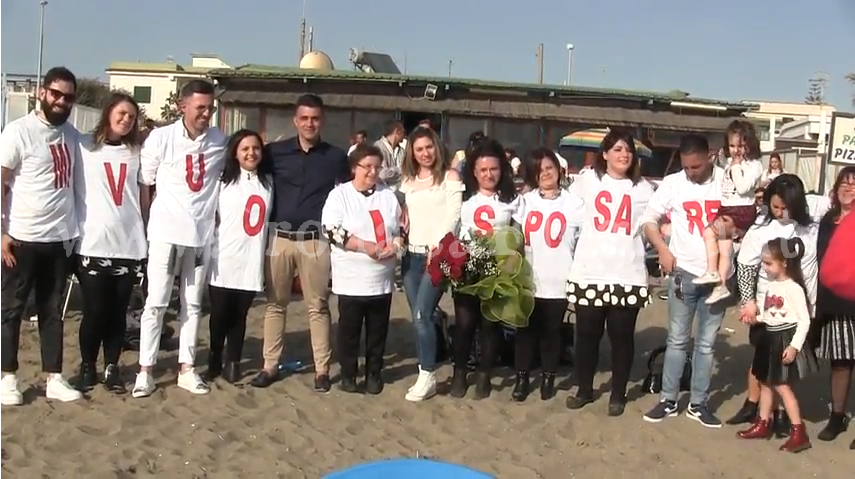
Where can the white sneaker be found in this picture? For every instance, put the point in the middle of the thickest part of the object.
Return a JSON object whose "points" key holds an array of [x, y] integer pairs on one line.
{"points": [[710, 277], [192, 382], [11, 394], [144, 385], [59, 389], [419, 381], [719, 293], [425, 387]]}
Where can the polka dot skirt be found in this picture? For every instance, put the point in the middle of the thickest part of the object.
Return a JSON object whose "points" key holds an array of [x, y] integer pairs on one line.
{"points": [[608, 295]]}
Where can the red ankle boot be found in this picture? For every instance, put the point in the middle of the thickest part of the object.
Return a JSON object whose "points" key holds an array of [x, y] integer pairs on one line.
{"points": [[760, 429], [798, 441]]}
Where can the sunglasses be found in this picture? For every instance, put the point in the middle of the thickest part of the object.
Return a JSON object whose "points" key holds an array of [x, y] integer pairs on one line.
{"points": [[56, 95], [678, 286]]}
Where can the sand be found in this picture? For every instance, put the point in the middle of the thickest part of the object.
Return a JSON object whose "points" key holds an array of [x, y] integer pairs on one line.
{"points": [[290, 431]]}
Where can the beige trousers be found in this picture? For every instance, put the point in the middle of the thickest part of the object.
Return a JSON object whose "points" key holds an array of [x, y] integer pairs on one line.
{"points": [[309, 259]]}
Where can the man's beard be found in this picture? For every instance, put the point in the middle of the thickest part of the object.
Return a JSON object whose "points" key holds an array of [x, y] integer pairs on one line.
{"points": [[55, 118]]}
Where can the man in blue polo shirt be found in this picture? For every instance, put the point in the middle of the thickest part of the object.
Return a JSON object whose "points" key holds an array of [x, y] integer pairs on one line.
{"points": [[305, 170]]}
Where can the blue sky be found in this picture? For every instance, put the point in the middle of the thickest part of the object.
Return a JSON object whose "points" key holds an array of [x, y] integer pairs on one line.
{"points": [[725, 49]]}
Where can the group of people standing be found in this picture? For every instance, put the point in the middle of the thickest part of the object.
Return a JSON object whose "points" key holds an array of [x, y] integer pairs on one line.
{"points": [[236, 217]]}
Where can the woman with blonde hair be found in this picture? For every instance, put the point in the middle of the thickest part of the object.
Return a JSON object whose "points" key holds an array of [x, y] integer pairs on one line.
{"points": [[433, 194]]}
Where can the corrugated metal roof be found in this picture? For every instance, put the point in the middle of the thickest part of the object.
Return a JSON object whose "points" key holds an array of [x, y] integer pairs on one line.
{"points": [[166, 67], [274, 72]]}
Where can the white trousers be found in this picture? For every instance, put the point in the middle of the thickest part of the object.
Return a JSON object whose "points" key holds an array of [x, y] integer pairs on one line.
{"points": [[165, 261]]}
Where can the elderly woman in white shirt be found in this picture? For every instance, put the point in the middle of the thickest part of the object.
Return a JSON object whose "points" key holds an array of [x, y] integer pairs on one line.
{"points": [[433, 194]]}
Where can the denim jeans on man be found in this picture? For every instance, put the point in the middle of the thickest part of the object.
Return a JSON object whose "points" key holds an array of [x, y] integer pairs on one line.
{"points": [[423, 298], [681, 315]]}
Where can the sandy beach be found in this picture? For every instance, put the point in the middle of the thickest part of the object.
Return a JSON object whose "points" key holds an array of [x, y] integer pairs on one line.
{"points": [[289, 431]]}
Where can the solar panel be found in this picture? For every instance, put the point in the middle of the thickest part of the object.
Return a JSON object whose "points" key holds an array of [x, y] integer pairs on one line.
{"points": [[378, 63]]}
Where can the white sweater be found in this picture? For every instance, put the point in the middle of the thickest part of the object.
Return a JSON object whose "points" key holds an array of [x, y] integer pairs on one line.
{"points": [[433, 212]]}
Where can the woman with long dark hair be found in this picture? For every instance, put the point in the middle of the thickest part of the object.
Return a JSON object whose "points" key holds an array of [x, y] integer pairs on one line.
{"points": [[786, 216], [110, 210], [835, 316], [490, 201], [433, 193], [237, 254], [549, 237], [608, 281]]}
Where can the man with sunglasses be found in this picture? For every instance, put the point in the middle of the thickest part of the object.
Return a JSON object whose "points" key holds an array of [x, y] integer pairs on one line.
{"points": [[691, 198], [37, 156], [184, 160]]}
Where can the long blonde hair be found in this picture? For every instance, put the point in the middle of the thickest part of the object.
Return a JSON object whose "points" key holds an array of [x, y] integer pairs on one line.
{"points": [[410, 167]]}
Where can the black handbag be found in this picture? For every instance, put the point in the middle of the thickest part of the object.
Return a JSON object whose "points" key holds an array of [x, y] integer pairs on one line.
{"points": [[653, 381]]}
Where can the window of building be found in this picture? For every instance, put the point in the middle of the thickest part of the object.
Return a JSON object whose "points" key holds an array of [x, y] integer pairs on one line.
{"points": [[142, 94]]}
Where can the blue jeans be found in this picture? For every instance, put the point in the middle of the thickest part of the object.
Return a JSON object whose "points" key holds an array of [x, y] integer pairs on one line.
{"points": [[681, 315], [423, 298]]}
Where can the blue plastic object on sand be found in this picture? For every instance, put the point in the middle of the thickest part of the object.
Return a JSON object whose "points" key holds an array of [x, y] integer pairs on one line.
{"points": [[408, 469], [290, 367]]}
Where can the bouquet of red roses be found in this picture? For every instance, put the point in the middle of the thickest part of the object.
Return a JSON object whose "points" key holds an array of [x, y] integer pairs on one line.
{"points": [[489, 267]]}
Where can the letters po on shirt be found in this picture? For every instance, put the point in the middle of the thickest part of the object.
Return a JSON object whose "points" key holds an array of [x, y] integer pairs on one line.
{"points": [[691, 207], [610, 242], [42, 158], [481, 214], [549, 239], [186, 173], [106, 186], [237, 255], [372, 218]]}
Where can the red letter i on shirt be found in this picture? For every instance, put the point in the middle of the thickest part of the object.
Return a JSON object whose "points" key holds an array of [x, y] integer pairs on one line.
{"points": [[116, 189]]}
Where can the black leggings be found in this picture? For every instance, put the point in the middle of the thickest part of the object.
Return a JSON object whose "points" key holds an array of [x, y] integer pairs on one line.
{"points": [[590, 324], [467, 319], [105, 307], [43, 268], [543, 333], [354, 312], [229, 308]]}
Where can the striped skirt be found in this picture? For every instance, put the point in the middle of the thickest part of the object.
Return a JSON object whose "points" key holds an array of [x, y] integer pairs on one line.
{"points": [[837, 339]]}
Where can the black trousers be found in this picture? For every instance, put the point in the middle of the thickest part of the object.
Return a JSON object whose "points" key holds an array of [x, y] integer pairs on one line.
{"points": [[229, 308], [541, 336], [43, 267], [106, 294], [467, 320], [591, 322], [354, 312]]}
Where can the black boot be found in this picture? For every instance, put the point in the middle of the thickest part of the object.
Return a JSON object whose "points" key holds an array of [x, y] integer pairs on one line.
{"points": [[458, 383], [483, 387], [373, 383], [837, 424], [113, 380], [521, 387], [231, 373], [781, 424], [746, 414], [87, 377], [215, 366], [547, 386]]}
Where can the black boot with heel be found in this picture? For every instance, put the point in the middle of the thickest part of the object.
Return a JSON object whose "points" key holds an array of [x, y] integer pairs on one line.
{"points": [[522, 387], [458, 383], [547, 386]]}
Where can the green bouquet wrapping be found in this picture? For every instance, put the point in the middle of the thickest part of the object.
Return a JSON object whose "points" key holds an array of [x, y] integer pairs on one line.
{"points": [[499, 275]]}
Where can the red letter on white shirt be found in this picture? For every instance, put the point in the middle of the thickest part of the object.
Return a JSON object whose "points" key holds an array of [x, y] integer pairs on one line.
{"points": [[698, 216], [602, 221], [193, 183], [379, 228], [551, 241], [248, 226], [116, 188], [61, 166], [484, 213], [532, 224]]}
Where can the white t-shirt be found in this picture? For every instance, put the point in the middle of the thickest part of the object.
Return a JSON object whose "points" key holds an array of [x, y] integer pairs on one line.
{"points": [[549, 240], [483, 213], [740, 181], [787, 307], [611, 240], [237, 255], [106, 186], [756, 238], [186, 174], [42, 157], [818, 205], [371, 218], [691, 207]]}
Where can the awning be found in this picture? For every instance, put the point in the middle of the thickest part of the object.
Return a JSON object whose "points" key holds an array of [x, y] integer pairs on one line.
{"points": [[600, 116]]}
